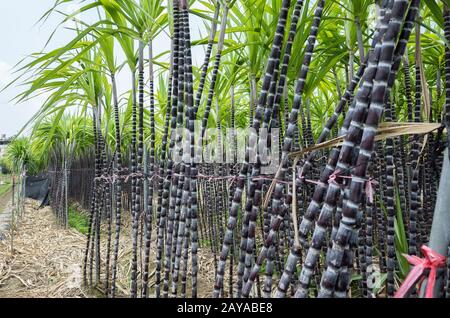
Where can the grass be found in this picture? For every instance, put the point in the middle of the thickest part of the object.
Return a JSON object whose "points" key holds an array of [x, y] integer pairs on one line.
{"points": [[4, 188], [7, 183], [78, 220]]}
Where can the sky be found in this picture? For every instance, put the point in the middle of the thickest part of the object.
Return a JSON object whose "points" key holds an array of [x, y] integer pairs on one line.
{"points": [[22, 35]]}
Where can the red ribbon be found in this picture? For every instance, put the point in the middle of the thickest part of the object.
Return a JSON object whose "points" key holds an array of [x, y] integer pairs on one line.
{"points": [[433, 260], [337, 174], [333, 176], [369, 185]]}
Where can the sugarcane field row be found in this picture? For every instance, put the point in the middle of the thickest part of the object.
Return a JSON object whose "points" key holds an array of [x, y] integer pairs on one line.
{"points": [[231, 149]]}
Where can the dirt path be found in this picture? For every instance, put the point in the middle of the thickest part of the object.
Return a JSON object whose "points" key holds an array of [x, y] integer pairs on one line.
{"points": [[46, 260], [43, 260], [5, 214]]}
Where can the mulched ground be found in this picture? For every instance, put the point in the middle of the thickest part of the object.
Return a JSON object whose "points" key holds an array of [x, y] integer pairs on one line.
{"points": [[40, 259]]}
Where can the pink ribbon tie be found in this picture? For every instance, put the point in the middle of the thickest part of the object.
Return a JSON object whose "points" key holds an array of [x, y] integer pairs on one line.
{"points": [[432, 260], [370, 188]]}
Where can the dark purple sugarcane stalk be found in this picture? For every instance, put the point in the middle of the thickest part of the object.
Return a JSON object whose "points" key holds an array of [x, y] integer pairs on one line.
{"points": [[368, 248], [317, 197], [136, 166], [350, 209], [308, 123], [390, 203], [193, 205], [409, 102], [90, 226], [390, 183], [447, 72], [95, 202], [329, 169], [287, 145], [94, 211], [215, 71], [108, 208], [341, 285], [204, 68], [152, 168], [415, 209], [118, 186], [237, 199], [304, 128], [330, 194], [178, 192], [342, 165], [400, 166], [343, 282], [101, 195], [379, 163], [219, 171], [256, 186], [428, 202], [167, 212], [275, 100], [312, 211]]}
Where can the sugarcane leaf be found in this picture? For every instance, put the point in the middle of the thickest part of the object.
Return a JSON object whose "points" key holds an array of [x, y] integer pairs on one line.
{"points": [[435, 11], [401, 243], [379, 283]]}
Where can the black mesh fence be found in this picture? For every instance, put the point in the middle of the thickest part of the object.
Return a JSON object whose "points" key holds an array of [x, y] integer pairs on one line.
{"points": [[37, 188]]}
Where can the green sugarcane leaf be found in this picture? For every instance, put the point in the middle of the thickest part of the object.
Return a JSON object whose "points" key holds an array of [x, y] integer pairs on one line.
{"points": [[435, 11], [401, 243], [379, 283]]}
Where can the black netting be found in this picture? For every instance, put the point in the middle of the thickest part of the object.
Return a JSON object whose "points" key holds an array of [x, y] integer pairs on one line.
{"points": [[37, 188]]}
